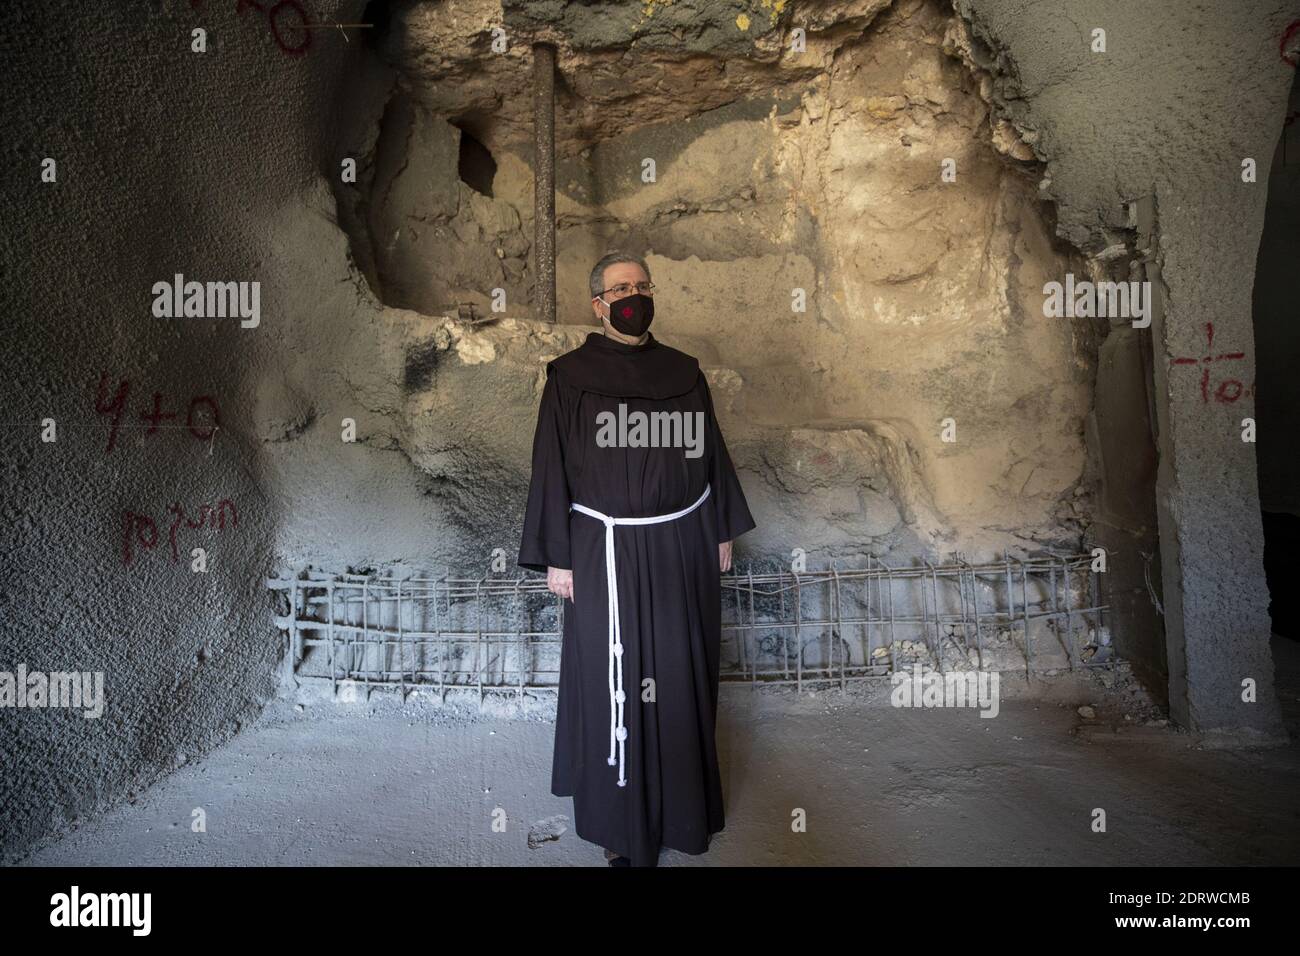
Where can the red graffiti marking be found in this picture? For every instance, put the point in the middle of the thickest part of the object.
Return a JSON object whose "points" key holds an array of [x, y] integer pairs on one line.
{"points": [[284, 17], [115, 407], [1229, 390], [198, 431], [138, 525], [142, 532], [1292, 29], [201, 420], [158, 414]]}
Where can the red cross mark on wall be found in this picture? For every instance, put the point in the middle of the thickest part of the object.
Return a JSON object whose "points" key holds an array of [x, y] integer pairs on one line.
{"points": [[1229, 390]]}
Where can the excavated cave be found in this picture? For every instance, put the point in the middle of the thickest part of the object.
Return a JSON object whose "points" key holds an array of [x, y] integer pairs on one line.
{"points": [[776, 175]]}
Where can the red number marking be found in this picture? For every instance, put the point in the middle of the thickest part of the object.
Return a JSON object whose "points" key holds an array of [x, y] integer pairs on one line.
{"points": [[154, 417], [1221, 394], [115, 406], [197, 431], [287, 7]]}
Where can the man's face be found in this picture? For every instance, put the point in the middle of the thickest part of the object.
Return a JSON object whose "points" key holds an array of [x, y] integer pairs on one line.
{"points": [[617, 274]]}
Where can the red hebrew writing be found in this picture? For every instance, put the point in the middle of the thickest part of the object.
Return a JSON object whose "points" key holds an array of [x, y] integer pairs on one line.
{"points": [[202, 419], [1228, 390], [140, 528], [140, 532]]}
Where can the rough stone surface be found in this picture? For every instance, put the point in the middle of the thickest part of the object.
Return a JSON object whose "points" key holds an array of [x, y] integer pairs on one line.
{"points": [[923, 298], [1174, 105]]}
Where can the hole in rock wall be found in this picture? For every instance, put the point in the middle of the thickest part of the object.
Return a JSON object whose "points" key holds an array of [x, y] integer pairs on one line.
{"points": [[379, 14], [475, 165]]}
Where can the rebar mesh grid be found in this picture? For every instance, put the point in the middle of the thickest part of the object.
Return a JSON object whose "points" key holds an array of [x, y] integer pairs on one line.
{"points": [[833, 626]]}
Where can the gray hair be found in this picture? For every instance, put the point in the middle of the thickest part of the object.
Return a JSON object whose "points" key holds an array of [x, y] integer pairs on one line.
{"points": [[597, 280]]}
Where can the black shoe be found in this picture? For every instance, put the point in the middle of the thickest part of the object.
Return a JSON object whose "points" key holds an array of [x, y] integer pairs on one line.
{"points": [[620, 861]]}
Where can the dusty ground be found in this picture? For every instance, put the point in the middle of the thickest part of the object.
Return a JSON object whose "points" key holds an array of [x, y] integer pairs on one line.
{"points": [[383, 784]]}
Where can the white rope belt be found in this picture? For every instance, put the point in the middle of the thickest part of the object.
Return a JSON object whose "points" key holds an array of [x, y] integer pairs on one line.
{"points": [[617, 730]]}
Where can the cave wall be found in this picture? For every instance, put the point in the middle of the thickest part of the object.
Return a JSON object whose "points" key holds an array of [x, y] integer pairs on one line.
{"points": [[167, 161], [1182, 96], [818, 184]]}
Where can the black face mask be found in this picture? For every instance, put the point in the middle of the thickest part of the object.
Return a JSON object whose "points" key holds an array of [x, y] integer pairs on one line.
{"points": [[632, 314]]}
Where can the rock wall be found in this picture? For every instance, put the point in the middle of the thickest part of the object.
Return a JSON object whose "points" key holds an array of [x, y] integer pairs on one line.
{"points": [[845, 298], [167, 161], [1165, 120]]}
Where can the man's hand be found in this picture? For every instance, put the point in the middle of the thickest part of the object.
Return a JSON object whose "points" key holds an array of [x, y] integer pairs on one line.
{"points": [[560, 581], [724, 555]]}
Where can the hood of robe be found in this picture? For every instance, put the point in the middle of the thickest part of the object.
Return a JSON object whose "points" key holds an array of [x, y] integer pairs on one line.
{"points": [[608, 367]]}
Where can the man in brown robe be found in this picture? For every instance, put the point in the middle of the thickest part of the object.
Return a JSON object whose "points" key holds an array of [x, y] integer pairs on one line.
{"points": [[632, 483]]}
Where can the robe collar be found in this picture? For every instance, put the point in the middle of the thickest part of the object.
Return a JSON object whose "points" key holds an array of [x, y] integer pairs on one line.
{"points": [[599, 340], [609, 367]]}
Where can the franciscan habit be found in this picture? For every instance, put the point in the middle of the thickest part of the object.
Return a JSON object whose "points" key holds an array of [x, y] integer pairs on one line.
{"points": [[638, 691]]}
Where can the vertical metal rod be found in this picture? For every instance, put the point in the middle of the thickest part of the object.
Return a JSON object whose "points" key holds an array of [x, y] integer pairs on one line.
{"points": [[753, 679], [961, 604], [295, 635], [526, 661], [1024, 597], [544, 179], [437, 633], [798, 631], [365, 619], [446, 642], [837, 629], [1092, 589], [1069, 620], [869, 659], [781, 633], [401, 669], [938, 618], [1011, 597], [478, 644], [329, 591], [925, 618], [893, 639]]}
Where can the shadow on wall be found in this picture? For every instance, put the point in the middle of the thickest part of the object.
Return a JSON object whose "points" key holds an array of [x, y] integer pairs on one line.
{"points": [[1277, 396]]}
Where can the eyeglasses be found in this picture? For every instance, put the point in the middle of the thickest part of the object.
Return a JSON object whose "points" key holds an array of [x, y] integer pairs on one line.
{"points": [[625, 289]]}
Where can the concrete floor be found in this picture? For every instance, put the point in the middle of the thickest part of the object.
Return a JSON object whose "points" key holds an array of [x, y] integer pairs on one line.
{"points": [[380, 783]]}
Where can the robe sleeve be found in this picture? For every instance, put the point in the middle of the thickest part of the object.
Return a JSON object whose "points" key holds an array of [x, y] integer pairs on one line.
{"points": [[729, 503], [545, 541]]}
